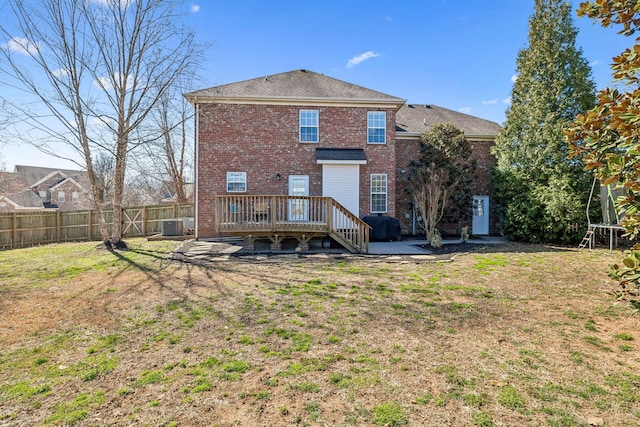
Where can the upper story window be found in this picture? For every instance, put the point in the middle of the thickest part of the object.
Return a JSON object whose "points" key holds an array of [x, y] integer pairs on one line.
{"points": [[308, 125], [42, 194], [376, 127], [60, 196], [237, 182], [378, 192], [75, 197]]}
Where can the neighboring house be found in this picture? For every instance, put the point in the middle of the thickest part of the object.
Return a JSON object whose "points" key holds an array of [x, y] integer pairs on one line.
{"points": [[303, 133], [38, 188]]}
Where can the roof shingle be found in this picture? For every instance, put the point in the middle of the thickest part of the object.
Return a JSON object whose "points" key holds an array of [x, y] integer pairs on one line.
{"points": [[297, 84], [417, 118]]}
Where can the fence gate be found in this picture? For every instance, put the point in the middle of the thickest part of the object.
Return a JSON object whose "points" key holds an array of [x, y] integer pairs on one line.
{"points": [[132, 219]]}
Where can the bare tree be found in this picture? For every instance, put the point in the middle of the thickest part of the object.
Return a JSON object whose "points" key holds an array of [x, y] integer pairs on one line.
{"points": [[103, 168], [98, 68], [166, 162]]}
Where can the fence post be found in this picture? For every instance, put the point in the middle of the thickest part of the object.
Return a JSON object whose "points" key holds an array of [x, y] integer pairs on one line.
{"points": [[58, 226], [144, 221], [15, 231], [89, 225]]}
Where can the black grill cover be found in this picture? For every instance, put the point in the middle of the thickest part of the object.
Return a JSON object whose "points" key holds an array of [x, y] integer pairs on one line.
{"points": [[383, 227]]}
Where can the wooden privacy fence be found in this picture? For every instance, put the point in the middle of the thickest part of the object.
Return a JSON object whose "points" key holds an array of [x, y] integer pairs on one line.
{"points": [[21, 229]]}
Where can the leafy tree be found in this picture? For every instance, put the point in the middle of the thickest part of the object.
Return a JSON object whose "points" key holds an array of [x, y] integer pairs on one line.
{"points": [[607, 138], [96, 70], [540, 191], [439, 181]]}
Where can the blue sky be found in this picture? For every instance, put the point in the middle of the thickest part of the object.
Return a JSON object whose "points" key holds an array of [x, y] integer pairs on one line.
{"points": [[457, 54]]}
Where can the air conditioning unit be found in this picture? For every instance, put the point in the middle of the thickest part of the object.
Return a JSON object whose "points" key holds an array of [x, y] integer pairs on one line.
{"points": [[172, 227]]}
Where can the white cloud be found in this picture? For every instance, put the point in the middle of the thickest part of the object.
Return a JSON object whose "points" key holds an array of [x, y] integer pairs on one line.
{"points": [[490, 102], [363, 57], [105, 82], [99, 121], [465, 110], [388, 18], [594, 63], [21, 45], [507, 101], [60, 72], [195, 8], [514, 78]]}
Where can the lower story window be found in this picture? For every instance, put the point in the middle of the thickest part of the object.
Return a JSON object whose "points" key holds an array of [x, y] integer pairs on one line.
{"points": [[378, 193], [237, 182]]}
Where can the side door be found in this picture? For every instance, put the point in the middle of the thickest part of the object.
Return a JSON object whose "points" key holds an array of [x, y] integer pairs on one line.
{"points": [[480, 223], [298, 208]]}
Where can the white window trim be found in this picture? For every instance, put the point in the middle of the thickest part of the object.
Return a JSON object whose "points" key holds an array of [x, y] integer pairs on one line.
{"points": [[386, 192], [231, 180], [317, 126], [384, 127]]}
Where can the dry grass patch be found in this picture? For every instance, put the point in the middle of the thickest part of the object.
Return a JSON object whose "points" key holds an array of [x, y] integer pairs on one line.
{"points": [[512, 335]]}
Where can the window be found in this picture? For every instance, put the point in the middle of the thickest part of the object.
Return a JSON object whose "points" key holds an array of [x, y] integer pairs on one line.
{"points": [[60, 196], [237, 182], [308, 125], [378, 193], [376, 127], [75, 197], [42, 194]]}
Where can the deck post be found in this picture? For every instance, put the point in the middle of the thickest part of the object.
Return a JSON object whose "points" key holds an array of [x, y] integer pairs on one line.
{"points": [[250, 240], [273, 212], [276, 242], [303, 242]]}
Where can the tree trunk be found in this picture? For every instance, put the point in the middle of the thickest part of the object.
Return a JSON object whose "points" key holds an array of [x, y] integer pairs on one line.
{"points": [[118, 192]]}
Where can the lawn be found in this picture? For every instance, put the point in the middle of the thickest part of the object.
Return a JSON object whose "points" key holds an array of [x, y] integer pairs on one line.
{"points": [[511, 335]]}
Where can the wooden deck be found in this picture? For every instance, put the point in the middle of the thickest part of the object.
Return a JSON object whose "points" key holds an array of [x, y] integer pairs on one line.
{"points": [[280, 217]]}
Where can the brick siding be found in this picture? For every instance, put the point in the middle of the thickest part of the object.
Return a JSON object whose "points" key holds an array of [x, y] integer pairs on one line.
{"points": [[263, 140], [408, 149]]}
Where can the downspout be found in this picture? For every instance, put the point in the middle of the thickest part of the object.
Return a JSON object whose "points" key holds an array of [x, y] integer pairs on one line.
{"points": [[196, 161]]}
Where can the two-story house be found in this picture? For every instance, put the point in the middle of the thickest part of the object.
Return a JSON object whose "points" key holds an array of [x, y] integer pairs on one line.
{"points": [[303, 134], [37, 188]]}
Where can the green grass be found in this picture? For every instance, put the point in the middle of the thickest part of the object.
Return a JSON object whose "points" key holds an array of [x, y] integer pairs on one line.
{"points": [[38, 266], [75, 410], [389, 414], [511, 398]]}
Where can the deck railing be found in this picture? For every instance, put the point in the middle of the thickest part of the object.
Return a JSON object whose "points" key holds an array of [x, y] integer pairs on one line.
{"points": [[293, 215]]}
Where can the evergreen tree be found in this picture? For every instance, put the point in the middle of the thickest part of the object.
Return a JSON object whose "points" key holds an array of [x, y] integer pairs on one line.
{"points": [[540, 192]]}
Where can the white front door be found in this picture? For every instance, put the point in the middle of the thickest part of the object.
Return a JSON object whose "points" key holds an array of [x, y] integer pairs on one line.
{"points": [[299, 186], [342, 182], [480, 224]]}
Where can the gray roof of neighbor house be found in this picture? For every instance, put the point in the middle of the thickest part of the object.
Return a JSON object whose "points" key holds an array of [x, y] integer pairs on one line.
{"points": [[417, 118], [297, 84], [27, 199], [14, 188], [32, 174]]}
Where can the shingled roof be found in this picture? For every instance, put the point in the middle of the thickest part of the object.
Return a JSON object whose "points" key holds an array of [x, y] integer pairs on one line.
{"points": [[297, 84], [15, 189], [417, 118]]}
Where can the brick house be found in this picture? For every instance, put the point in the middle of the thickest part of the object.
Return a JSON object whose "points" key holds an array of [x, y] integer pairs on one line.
{"points": [[306, 134], [39, 188]]}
